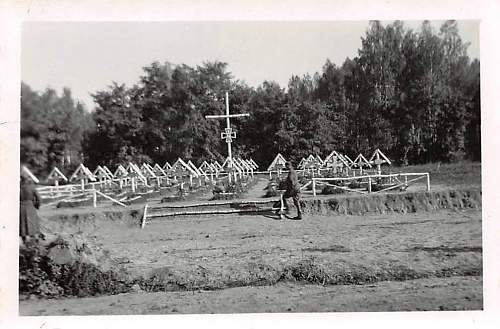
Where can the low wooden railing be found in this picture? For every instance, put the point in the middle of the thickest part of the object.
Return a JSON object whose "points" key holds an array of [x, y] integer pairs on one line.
{"points": [[369, 181]]}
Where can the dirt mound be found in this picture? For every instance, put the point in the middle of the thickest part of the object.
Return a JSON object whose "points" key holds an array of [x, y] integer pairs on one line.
{"points": [[69, 268], [88, 221], [308, 270], [395, 203]]}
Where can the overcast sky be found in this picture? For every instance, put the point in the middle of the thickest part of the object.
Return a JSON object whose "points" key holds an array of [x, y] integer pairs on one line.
{"points": [[88, 56]]}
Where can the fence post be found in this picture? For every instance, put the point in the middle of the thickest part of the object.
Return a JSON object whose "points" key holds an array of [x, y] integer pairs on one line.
{"points": [[428, 182], [282, 208], [94, 198], [314, 186], [144, 216], [369, 184]]}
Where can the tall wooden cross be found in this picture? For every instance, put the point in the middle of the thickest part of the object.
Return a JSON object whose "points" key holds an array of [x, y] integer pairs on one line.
{"points": [[228, 133]]}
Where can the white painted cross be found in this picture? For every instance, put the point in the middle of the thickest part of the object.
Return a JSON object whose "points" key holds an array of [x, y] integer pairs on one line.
{"points": [[378, 158], [228, 133]]}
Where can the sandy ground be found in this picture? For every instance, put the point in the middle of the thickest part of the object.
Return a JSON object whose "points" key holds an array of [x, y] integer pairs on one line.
{"points": [[458, 293], [229, 246], [228, 242]]}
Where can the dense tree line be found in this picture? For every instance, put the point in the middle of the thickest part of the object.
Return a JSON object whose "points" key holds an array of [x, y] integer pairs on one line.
{"points": [[52, 129], [415, 95]]}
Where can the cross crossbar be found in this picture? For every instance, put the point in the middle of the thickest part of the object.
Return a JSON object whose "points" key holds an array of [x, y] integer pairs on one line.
{"points": [[223, 116], [228, 133]]}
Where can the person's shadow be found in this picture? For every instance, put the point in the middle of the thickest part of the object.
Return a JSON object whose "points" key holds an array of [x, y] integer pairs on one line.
{"points": [[251, 210]]}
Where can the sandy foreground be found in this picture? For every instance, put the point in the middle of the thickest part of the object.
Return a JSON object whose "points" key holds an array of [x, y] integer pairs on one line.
{"points": [[443, 246], [457, 293]]}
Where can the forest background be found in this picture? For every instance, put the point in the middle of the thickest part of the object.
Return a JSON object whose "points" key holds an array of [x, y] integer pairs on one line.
{"points": [[414, 95]]}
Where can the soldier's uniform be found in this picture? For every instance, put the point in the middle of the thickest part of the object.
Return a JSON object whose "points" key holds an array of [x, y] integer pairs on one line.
{"points": [[29, 222], [292, 186]]}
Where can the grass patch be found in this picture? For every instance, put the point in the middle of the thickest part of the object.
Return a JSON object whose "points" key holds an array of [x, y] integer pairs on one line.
{"points": [[310, 271], [464, 173]]}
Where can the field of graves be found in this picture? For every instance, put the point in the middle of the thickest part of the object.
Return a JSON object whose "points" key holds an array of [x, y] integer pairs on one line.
{"points": [[187, 239]]}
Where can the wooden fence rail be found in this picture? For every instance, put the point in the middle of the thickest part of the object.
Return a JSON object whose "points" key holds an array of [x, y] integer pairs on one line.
{"points": [[370, 178]]}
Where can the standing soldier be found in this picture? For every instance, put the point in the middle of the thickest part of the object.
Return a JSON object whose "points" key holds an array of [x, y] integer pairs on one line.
{"points": [[292, 187], [29, 222]]}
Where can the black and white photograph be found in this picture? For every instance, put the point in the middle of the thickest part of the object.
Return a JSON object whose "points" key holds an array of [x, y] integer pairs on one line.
{"points": [[215, 170], [220, 167]]}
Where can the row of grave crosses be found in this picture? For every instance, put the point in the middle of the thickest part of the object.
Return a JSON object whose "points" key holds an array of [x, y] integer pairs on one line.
{"points": [[131, 174], [335, 161]]}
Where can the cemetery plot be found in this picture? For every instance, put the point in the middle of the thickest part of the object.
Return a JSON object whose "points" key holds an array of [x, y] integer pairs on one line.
{"points": [[339, 174], [371, 183], [132, 183], [166, 254]]}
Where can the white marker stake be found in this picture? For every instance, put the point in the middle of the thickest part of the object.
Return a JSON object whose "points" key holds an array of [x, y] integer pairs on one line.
{"points": [[282, 210], [144, 216]]}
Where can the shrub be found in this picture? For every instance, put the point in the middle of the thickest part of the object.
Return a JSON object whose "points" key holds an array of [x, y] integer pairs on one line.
{"points": [[40, 276]]}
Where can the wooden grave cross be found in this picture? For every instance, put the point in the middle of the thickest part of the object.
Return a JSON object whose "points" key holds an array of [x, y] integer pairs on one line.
{"points": [[56, 175], [337, 164], [228, 133], [122, 174], [380, 158], [361, 162], [102, 175], [27, 172], [83, 174]]}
